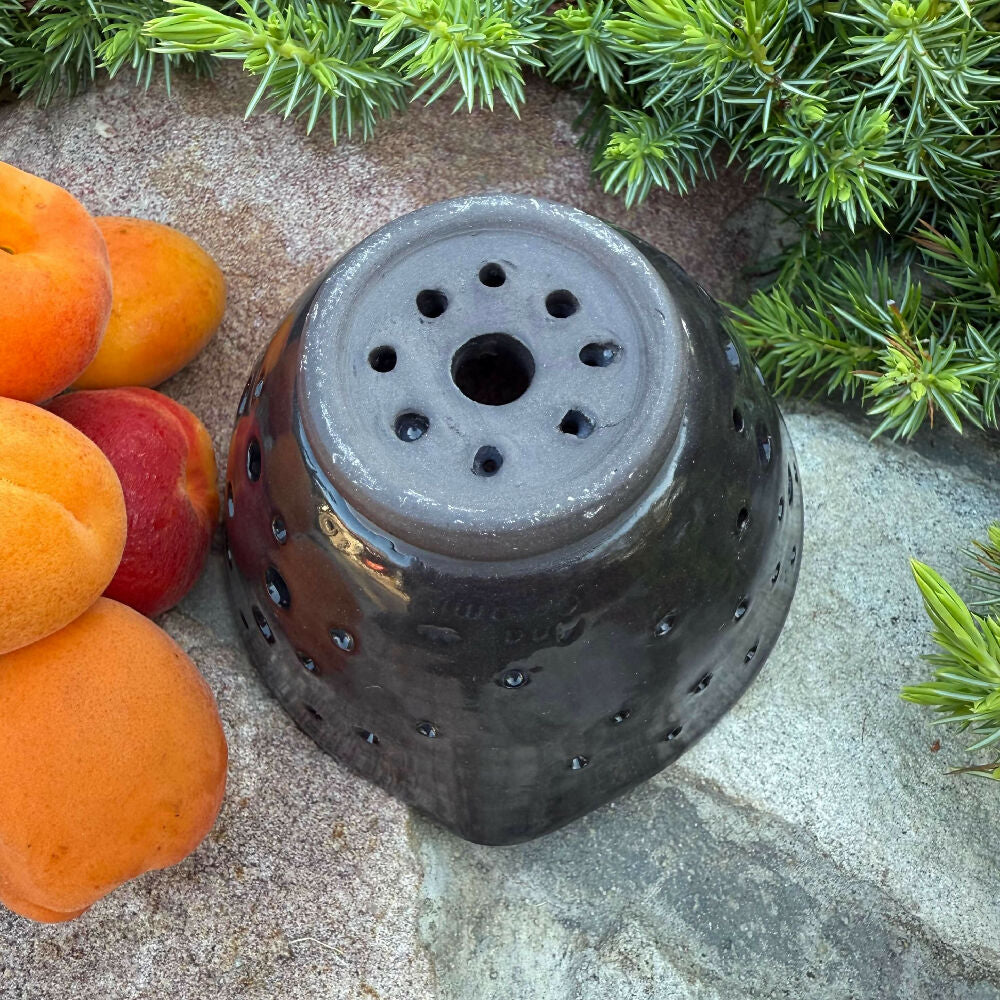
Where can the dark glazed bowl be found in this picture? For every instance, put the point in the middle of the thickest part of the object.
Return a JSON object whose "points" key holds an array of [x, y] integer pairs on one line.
{"points": [[511, 520]]}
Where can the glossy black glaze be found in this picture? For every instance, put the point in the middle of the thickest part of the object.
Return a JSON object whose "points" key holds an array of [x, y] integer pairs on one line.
{"points": [[507, 687]]}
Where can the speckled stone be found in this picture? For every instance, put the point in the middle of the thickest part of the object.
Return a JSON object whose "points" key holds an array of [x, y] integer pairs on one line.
{"points": [[810, 847]]}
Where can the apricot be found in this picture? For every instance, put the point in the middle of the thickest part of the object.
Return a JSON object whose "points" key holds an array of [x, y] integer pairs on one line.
{"points": [[164, 459], [62, 523], [56, 285], [112, 761], [169, 297]]}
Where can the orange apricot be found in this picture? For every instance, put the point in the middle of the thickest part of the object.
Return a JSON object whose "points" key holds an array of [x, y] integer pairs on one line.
{"points": [[169, 298], [112, 761], [56, 286], [62, 523]]}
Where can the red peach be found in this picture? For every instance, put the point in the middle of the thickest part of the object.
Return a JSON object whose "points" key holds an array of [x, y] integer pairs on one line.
{"points": [[164, 459]]}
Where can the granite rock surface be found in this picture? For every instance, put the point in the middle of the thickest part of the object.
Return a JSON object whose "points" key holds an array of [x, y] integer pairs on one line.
{"points": [[811, 846]]}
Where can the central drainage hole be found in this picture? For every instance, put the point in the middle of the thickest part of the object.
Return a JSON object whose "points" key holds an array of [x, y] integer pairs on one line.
{"points": [[493, 369], [383, 359], [487, 461], [492, 275], [561, 303], [577, 423]]}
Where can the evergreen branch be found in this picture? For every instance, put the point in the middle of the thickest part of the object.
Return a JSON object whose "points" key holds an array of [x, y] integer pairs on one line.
{"points": [[860, 323], [799, 345], [580, 46], [926, 52], [842, 164], [646, 149], [58, 46], [984, 568], [310, 58], [965, 690], [56, 50], [479, 45], [920, 379], [967, 262], [126, 44]]}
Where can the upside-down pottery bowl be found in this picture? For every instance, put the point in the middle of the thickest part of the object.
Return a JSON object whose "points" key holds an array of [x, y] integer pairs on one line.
{"points": [[511, 519]]}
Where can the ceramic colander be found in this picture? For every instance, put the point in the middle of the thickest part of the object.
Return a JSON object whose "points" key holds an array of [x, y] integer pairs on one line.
{"points": [[511, 519]]}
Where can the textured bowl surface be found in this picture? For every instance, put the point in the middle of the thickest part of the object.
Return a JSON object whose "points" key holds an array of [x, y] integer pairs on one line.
{"points": [[511, 519]]}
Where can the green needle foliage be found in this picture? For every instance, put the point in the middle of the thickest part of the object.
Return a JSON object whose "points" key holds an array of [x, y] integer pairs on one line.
{"points": [[478, 47], [984, 568], [874, 123], [57, 46], [310, 58], [965, 690]]}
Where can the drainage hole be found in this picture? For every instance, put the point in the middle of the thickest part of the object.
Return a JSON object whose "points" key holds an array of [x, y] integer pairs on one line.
{"points": [[230, 503], [700, 686], [775, 574], [492, 275], [795, 552], [427, 729], [781, 508], [243, 618], [674, 733], [307, 661], [599, 355], [494, 369], [312, 711], [383, 359], [431, 303], [411, 427], [742, 520], [738, 420], [253, 460], [577, 423], [764, 446], [561, 303], [258, 389], [623, 715], [742, 608], [278, 529], [244, 404], [342, 639], [664, 626], [265, 629], [751, 653], [367, 736], [732, 355], [579, 763], [277, 589], [514, 679], [487, 461]]}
